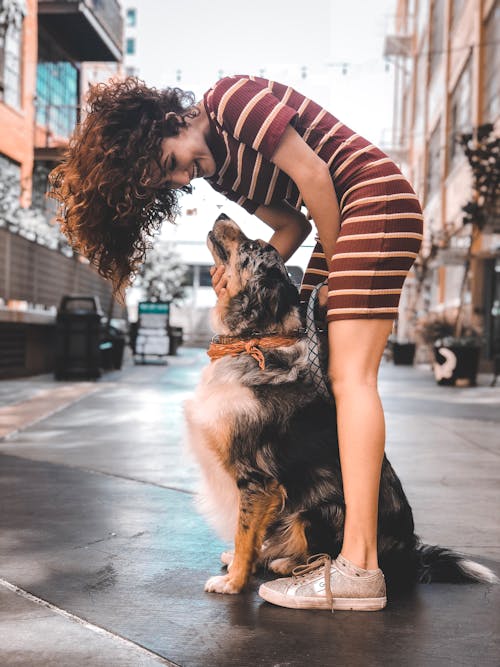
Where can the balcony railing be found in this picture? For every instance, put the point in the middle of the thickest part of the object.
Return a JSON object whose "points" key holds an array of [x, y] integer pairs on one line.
{"points": [[88, 30]]}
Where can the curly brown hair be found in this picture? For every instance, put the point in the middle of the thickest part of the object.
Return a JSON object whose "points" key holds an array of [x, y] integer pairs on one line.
{"points": [[109, 184]]}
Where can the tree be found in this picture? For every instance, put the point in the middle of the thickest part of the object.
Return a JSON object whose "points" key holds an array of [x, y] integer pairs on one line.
{"points": [[482, 149], [162, 274], [30, 222]]}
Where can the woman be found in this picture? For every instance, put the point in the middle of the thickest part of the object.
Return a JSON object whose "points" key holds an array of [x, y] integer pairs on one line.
{"points": [[273, 151]]}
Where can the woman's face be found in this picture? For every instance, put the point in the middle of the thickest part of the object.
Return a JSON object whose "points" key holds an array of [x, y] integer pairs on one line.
{"points": [[187, 156]]}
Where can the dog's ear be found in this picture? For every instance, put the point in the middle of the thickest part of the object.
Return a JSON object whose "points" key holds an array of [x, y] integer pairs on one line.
{"points": [[278, 293], [268, 296]]}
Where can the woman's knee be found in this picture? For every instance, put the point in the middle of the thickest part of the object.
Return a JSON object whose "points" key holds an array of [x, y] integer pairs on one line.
{"points": [[354, 382], [355, 351]]}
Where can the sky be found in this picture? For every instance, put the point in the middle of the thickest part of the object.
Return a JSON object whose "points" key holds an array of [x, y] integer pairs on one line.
{"points": [[330, 50]]}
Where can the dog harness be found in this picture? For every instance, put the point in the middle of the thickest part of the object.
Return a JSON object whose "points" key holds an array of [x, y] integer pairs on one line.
{"points": [[315, 367]]}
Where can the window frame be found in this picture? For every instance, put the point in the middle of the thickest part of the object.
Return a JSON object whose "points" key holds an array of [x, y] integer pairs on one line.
{"points": [[11, 62], [131, 17]]}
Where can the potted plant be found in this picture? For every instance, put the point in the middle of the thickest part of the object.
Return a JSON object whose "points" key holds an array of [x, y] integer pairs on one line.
{"points": [[456, 358], [403, 352], [456, 342]]}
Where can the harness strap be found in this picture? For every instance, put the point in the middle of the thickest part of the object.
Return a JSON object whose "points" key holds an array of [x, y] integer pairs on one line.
{"points": [[314, 357]]}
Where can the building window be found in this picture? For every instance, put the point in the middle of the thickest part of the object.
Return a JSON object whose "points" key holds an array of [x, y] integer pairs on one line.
{"points": [[205, 277], [10, 189], [460, 111], [437, 36], [433, 176], [131, 17], [130, 46], [56, 91], [491, 55], [10, 56], [188, 278]]}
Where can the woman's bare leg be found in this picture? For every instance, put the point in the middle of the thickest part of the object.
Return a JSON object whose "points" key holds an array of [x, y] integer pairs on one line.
{"points": [[356, 347]]}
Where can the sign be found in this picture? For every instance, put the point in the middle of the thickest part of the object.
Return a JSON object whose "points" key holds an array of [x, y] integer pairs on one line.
{"points": [[157, 307], [152, 337]]}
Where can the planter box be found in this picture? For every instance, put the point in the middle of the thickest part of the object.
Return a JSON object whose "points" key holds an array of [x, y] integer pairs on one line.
{"points": [[403, 354], [456, 365]]}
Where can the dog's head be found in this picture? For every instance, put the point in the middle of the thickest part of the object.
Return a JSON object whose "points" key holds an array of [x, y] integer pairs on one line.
{"points": [[260, 297]]}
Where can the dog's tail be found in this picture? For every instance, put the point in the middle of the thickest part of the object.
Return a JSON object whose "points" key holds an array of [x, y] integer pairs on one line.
{"points": [[426, 563], [435, 563]]}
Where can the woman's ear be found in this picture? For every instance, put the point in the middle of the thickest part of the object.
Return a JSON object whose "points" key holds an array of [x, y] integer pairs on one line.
{"points": [[173, 122], [172, 115]]}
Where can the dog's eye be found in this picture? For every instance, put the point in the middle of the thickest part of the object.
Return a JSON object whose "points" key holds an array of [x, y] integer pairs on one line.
{"points": [[251, 246]]}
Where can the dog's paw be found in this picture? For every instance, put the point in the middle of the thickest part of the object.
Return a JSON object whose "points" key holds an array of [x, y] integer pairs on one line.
{"points": [[221, 584], [282, 566], [226, 558]]}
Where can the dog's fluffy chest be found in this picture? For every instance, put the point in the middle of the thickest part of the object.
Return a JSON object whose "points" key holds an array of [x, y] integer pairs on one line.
{"points": [[217, 404]]}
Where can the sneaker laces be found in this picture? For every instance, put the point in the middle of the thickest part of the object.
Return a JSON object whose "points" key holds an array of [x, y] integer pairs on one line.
{"points": [[310, 569]]}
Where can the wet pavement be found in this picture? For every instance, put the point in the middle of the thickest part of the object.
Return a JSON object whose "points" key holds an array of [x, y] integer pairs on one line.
{"points": [[103, 556]]}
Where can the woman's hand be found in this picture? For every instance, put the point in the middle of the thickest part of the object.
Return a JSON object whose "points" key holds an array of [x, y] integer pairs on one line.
{"points": [[323, 296], [219, 280]]}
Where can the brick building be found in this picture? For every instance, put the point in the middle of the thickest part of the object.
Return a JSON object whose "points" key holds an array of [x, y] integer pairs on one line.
{"points": [[447, 59], [43, 46]]}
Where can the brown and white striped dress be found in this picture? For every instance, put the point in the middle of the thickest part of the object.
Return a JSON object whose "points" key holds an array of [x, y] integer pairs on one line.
{"points": [[380, 216]]}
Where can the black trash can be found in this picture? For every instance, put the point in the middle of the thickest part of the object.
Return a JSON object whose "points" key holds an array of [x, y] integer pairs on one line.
{"points": [[174, 339], [112, 347], [78, 331]]}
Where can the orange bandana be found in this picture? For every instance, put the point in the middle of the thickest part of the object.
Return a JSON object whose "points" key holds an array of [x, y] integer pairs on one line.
{"points": [[251, 347]]}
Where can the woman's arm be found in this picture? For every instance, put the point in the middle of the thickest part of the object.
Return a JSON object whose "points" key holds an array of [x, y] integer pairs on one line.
{"points": [[313, 179], [291, 227]]}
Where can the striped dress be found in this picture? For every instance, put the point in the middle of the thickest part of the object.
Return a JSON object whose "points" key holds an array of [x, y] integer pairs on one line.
{"points": [[380, 216]]}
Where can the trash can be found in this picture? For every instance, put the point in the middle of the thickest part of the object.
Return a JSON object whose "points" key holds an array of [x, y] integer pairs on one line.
{"points": [[78, 330], [174, 339], [112, 346]]}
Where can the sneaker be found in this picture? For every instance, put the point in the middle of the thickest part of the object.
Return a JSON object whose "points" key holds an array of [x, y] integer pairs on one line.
{"points": [[323, 584]]}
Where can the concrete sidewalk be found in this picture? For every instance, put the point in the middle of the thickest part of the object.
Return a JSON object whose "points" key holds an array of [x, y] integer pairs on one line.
{"points": [[104, 558]]}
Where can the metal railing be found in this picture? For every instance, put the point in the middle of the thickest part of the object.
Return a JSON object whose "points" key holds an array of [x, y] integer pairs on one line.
{"points": [[39, 275]]}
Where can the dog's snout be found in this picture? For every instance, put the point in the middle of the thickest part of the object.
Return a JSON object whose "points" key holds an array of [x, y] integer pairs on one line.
{"points": [[226, 229]]}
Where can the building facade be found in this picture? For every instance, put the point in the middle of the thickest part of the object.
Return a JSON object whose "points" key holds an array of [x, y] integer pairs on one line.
{"points": [[42, 47], [446, 55]]}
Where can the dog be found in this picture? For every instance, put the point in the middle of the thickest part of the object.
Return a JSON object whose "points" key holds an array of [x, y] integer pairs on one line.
{"points": [[266, 439]]}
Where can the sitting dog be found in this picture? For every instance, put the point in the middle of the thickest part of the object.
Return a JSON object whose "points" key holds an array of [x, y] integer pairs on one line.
{"points": [[266, 439]]}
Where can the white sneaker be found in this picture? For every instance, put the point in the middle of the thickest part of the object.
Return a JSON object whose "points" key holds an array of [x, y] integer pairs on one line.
{"points": [[323, 584]]}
